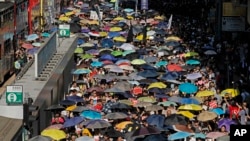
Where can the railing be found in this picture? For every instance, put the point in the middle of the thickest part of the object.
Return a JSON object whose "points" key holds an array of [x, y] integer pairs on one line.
{"points": [[46, 52]]}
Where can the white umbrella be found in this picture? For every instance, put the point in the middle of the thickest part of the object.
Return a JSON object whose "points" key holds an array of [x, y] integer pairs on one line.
{"points": [[151, 33], [127, 46], [210, 52]]}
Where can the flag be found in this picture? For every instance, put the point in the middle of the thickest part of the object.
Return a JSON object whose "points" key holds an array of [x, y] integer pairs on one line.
{"points": [[170, 21]]}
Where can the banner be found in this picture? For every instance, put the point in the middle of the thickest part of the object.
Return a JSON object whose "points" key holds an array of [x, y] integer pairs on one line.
{"points": [[144, 4], [170, 21]]}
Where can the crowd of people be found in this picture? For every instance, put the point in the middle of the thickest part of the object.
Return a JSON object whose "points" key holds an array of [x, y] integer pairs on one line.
{"points": [[148, 79]]}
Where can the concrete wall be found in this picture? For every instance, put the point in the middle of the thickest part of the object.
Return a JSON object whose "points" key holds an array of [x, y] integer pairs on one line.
{"points": [[54, 90]]}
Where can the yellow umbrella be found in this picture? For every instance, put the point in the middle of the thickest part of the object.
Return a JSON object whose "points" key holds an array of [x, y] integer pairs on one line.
{"points": [[63, 18], [69, 13], [173, 38], [204, 93], [118, 19], [115, 29], [159, 17], [70, 108], [123, 124], [119, 39], [190, 54], [84, 21], [193, 107], [125, 101], [138, 62], [186, 114], [93, 22], [130, 17], [157, 85], [140, 37], [113, 1], [230, 91], [103, 34], [55, 134]]}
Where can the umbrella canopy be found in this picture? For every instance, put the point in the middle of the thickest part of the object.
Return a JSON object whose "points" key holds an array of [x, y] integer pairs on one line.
{"points": [[188, 88], [90, 114], [179, 135], [138, 62], [85, 138], [96, 124], [73, 121], [206, 116], [123, 124], [204, 93], [154, 108], [157, 85], [190, 107], [156, 120], [55, 134], [186, 114], [215, 135], [116, 115], [226, 122], [40, 138], [175, 119], [143, 131], [218, 111]]}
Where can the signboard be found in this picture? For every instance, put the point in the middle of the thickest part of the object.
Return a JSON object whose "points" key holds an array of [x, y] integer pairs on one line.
{"points": [[230, 10], [144, 4], [233, 24], [14, 95], [64, 30], [94, 16]]}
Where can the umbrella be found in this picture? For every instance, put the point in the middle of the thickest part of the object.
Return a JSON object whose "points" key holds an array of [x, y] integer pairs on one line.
{"points": [[73, 121], [147, 99], [157, 85], [81, 71], [173, 38], [96, 64], [147, 67], [175, 99], [193, 76], [113, 34], [189, 101], [75, 98], [40, 138], [112, 133], [79, 50], [190, 54], [85, 138], [87, 56], [192, 62], [79, 109], [93, 51], [45, 34], [120, 106], [167, 103], [230, 91], [206, 116], [123, 125], [190, 107], [75, 28], [143, 131], [151, 59], [180, 128], [55, 134], [90, 114], [32, 37], [179, 135], [210, 52], [106, 42], [188, 88], [174, 119], [36, 44], [170, 76], [96, 124], [148, 73], [108, 57], [116, 115], [119, 39], [156, 137], [138, 62], [161, 63], [186, 114], [223, 138], [156, 120], [226, 122], [142, 104], [218, 111], [204, 93], [200, 135], [67, 102], [55, 107], [153, 108], [117, 53], [174, 67], [27, 46], [126, 101], [114, 90], [97, 89], [215, 135]]}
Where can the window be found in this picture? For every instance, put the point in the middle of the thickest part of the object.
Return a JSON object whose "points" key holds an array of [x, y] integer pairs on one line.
{"points": [[7, 46]]}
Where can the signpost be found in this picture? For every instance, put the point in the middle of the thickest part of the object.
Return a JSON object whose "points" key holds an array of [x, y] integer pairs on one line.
{"points": [[14, 95], [64, 30]]}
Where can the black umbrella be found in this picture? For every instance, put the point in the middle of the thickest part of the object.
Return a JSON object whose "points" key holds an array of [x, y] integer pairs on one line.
{"points": [[132, 56], [55, 108], [143, 131], [112, 133], [79, 109], [175, 119], [75, 28], [120, 106], [67, 102]]}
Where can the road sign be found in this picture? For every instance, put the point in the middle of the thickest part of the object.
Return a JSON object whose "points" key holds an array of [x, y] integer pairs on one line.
{"points": [[14, 95], [64, 30]]}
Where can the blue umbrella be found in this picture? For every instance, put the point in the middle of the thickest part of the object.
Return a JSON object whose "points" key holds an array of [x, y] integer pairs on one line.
{"points": [[179, 135], [162, 25], [75, 98], [85, 30], [156, 120], [93, 51], [45, 34], [108, 57], [113, 34], [67, 102], [33, 50], [32, 37], [148, 73], [200, 135], [161, 63], [170, 76], [80, 41], [106, 42], [192, 62], [188, 88], [157, 137], [73, 121], [189, 101], [96, 64], [90, 114], [147, 67], [81, 71], [218, 111], [128, 10]]}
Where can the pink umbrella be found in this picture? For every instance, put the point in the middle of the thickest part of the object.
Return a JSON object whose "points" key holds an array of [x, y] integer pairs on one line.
{"points": [[27, 46], [215, 135], [106, 28]]}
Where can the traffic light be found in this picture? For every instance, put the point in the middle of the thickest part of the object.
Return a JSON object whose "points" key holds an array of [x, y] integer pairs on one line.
{"points": [[28, 117]]}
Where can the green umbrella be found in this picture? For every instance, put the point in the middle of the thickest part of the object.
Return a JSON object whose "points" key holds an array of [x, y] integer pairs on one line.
{"points": [[147, 99], [116, 53], [87, 56], [167, 103], [126, 52], [78, 50], [138, 62]]}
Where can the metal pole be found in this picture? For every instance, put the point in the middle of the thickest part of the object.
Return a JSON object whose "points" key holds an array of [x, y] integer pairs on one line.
{"points": [[41, 15]]}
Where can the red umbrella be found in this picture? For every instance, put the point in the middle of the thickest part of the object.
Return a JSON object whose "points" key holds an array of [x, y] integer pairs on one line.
{"points": [[27, 46], [174, 67]]}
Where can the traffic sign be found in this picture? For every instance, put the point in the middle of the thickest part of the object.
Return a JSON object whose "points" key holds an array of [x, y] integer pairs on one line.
{"points": [[14, 95], [64, 30]]}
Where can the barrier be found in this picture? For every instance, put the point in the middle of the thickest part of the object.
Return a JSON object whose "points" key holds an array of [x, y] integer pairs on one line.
{"points": [[42, 57]]}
